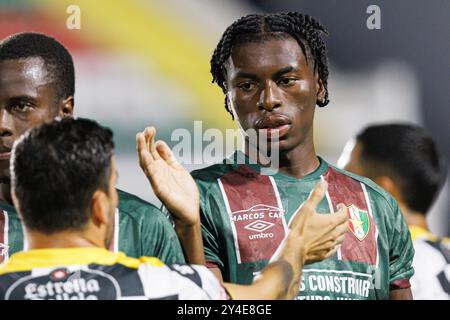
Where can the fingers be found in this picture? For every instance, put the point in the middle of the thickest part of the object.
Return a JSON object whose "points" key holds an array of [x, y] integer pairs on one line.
{"points": [[342, 211], [322, 255], [316, 196], [308, 207], [143, 153], [150, 133], [341, 229], [340, 217], [340, 239], [340, 223], [331, 252], [164, 151]]}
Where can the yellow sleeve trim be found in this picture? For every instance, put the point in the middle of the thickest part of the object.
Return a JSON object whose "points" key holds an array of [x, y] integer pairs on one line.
{"points": [[418, 232], [135, 263], [49, 258]]}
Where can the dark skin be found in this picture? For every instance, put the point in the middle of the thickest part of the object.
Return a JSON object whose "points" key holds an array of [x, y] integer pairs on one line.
{"points": [[27, 99], [273, 80]]}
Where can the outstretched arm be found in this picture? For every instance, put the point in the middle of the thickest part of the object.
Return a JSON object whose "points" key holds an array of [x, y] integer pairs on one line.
{"points": [[401, 294], [312, 236], [175, 187]]}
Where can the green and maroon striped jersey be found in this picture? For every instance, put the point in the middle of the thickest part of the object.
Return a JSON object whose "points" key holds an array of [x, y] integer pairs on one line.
{"points": [[245, 216], [140, 229]]}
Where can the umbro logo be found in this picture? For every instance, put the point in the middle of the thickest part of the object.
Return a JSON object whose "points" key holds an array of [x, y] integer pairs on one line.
{"points": [[259, 226]]}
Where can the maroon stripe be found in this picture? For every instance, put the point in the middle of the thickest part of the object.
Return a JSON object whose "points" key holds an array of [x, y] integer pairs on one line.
{"points": [[2, 236], [346, 190], [255, 214], [211, 264], [400, 284]]}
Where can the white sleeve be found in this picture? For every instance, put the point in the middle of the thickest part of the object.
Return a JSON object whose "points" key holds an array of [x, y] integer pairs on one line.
{"points": [[180, 282], [429, 266]]}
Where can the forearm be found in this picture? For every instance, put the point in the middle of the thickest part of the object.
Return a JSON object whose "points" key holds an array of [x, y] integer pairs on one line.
{"points": [[289, 266], [279, 280], [191, 240], [401, 294]]}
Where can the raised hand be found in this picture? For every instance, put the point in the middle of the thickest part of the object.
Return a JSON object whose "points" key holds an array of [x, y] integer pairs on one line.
{"points": [[170, 181], [321, 234]]}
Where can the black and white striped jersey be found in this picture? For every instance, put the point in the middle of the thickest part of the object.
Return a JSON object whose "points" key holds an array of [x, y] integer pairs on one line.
{"points": [[95, 273]]}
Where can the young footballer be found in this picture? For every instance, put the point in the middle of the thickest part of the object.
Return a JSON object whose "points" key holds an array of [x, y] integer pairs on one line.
{"points": [[37, 84], [273, 71]]}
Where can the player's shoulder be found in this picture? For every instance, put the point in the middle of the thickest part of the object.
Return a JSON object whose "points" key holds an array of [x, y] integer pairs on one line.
{"points": [[133, 207], [179, 281], [234, 166], [136, 263], [211, 173], [430, 248], [207, 178], [376, 193]]}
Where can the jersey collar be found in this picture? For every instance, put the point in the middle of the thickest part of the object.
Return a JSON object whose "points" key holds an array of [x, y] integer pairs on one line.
{"points": [[239, 158], [47, 258]]}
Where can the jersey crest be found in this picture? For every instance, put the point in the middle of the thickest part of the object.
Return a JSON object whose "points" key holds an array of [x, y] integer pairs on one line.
{"points": [[359, 222]]}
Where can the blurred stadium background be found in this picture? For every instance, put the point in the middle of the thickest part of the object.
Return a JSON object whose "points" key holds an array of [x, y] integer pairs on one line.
{"points": [[142, 62]]}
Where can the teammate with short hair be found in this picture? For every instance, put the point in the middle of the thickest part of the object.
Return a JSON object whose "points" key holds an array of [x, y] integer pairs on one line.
{"points": [[404, 160], [68, 234], [273, 71], [37, 84]]}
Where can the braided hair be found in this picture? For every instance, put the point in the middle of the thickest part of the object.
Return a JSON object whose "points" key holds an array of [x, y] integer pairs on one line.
{"points": [[258, 27]]}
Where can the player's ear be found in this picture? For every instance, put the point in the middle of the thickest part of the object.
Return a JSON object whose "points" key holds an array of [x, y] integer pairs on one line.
{"points": [[66, 107], [320, 89], [100, 208], [389, 185]]}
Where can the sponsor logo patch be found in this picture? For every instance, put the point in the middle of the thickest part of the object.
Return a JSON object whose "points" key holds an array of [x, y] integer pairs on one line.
{"points": [[61, 284], [259, 230], [259, 226]]}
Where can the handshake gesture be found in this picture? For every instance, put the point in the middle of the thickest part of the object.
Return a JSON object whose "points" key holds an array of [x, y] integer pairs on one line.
{"points": [[312, 236]]}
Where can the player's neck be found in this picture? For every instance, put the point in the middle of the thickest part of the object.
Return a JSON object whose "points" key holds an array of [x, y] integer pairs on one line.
{"points": [[65, 239], [414, 218], [297, 162], [5, 193]]}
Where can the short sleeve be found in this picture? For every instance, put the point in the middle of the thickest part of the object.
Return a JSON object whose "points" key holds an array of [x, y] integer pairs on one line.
{"points": [[210, 236], [401, 252], [159, 239], [181, 282]]}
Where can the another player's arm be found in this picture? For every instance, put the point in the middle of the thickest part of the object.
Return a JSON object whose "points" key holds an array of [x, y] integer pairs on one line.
{"points": [[401, 294], [174, 186], [312, 237], [216, 271]]}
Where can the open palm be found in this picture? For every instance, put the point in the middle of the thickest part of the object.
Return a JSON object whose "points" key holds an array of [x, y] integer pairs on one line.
{"points": [[170, 181]]}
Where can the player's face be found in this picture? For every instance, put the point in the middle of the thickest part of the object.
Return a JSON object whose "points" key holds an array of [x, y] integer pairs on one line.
{"points": [[113, 200], [350, 158], [272, 86], [27, 99]]}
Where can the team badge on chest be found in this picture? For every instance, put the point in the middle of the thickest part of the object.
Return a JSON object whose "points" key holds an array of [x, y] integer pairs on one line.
{"points": [[358, 221]]}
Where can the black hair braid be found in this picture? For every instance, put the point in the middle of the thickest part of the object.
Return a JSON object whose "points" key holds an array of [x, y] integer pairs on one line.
{"points": [[303, 28]]}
